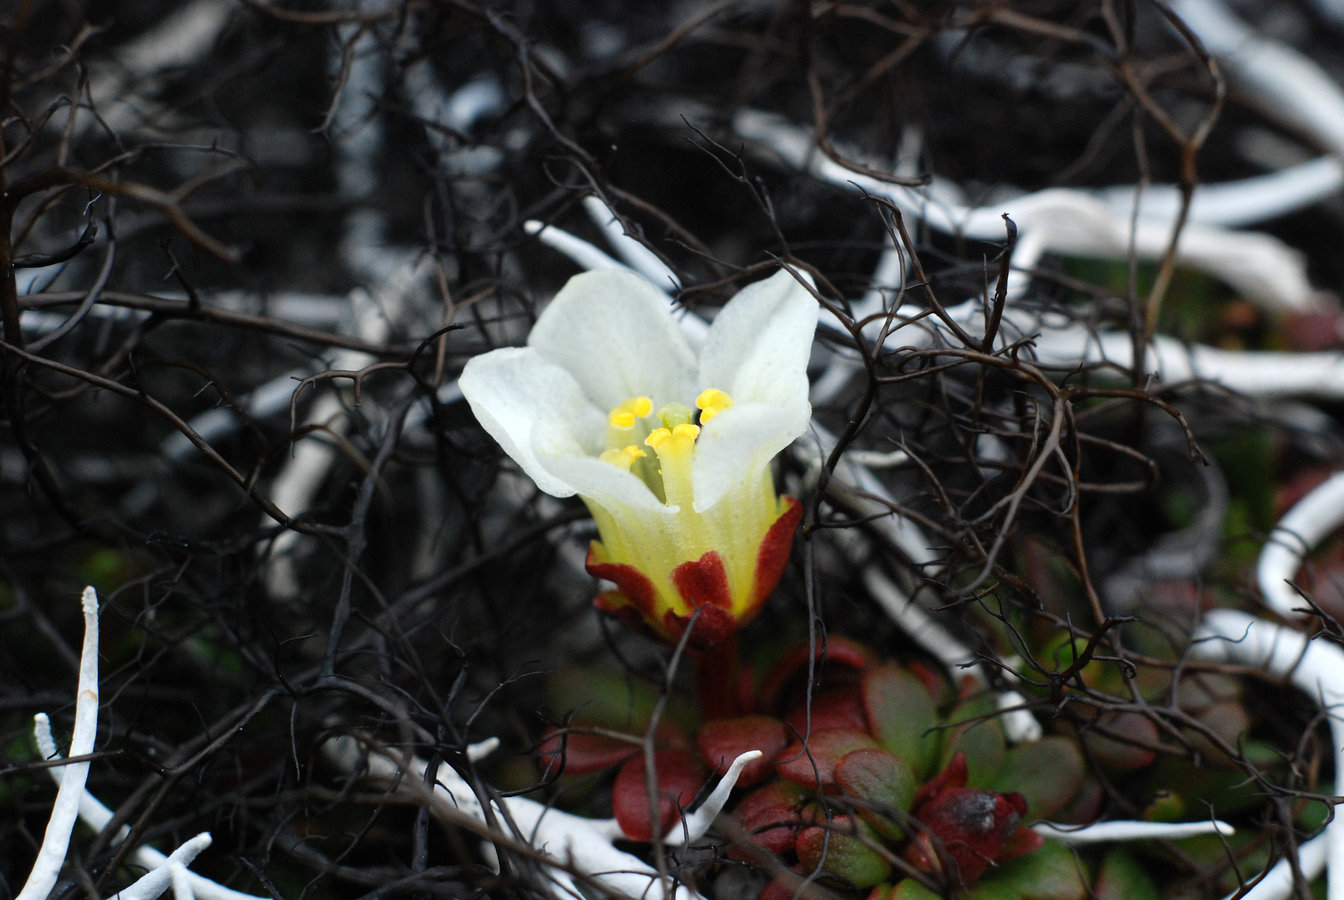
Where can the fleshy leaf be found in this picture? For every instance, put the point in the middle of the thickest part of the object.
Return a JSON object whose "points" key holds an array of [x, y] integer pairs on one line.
{"points": [[1047, 772], [838, 660], [962, 829], [980, 738], [840, 709], [772, 815], [680, 777], [812, 764], [1050, 873], [909, 889], [901, 715], [1117, 740], [576, 753], [723, 740], [846, 848], [600, 697], [1121, 878], [882, 787]]}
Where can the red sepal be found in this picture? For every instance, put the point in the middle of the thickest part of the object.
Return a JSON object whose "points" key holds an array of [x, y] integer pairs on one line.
{"points": [[631, 584], [713, 626], [703, 582], [773, 555]]}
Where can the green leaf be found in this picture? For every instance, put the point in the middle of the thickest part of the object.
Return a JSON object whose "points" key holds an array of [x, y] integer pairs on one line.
{"points": [[909, 889], [1121, 878], [981, 739], [1050, 873], [607, 699], [812, 764], [882, 787], [846, 848], [1048, 772], [902, 716]]}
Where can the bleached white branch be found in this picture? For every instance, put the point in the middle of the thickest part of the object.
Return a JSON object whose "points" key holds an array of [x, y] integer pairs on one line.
{"points": [[1302, 528], [695, 824], [1280, 882], [159, 878], [1314, 667], [581, 844], [74, 801], [636, 255], [1075, 222], [65, 808], [1105, 832], [1252, 373], [1283, 82]]}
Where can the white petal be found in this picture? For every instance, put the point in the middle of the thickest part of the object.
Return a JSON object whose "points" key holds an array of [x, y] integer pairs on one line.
{"points": [[735, 447], [759, 345], [615, 333], [607, 485], [515, 395]]}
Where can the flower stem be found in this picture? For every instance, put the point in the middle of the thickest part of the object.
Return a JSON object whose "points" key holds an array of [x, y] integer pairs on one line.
{"points": [[717, 673]]}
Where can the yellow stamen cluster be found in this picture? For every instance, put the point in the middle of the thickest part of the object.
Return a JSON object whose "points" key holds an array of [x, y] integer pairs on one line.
{"points": [[674, 443], [711, 402]]}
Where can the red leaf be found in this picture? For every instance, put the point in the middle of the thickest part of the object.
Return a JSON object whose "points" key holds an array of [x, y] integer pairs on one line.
{"points": [[789, 674], [679, 777], [583, 753], [847, 848], [963, 828], [772, 815], [838, 709], [723, 740], [814, 763]]}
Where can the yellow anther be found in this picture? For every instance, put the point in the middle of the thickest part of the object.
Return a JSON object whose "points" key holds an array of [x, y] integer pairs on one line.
{"points": [[624, 457], [682, 435], [711, 402], [686, 432], [625, 415]]}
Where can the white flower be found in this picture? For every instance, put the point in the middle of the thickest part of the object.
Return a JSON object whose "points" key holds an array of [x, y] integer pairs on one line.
{"points": [[668, 445]]}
